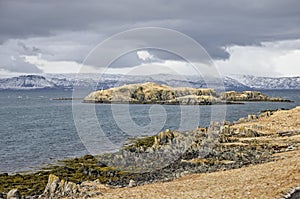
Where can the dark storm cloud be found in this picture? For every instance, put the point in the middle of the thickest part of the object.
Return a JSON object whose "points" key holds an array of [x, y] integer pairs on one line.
{"points": [[214, 24]]}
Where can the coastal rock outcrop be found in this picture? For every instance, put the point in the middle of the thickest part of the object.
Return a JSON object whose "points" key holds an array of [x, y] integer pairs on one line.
{"points": [[14, 194], [249, 96], [57, 188]]}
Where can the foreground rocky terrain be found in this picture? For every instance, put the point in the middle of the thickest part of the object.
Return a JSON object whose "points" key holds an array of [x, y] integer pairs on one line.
{"points": [[276, 179], [263, 162], [255, 157], [152, 93]]}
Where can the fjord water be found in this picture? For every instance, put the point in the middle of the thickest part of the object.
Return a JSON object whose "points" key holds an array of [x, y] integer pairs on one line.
{"points": [[36, 130]]}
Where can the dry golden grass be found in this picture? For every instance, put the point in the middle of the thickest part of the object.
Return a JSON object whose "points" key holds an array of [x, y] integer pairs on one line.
{"points": [[280, 121], [268, 180]]}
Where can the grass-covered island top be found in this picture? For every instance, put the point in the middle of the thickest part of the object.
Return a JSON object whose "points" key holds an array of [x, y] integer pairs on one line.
{"points": [[153, 93]]}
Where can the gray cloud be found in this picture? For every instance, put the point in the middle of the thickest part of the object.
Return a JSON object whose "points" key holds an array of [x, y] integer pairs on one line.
{"points": [[76, 26], [18, 65], [11, 57], [29, 50], [131, 59]]}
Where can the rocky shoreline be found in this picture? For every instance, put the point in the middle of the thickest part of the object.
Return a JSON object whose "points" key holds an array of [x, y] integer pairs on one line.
{"points": [[160, 158]]}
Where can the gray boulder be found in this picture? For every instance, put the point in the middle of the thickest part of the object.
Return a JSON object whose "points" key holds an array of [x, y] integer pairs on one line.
{"points": [[14, 194], [132, 183], [57, 188]]}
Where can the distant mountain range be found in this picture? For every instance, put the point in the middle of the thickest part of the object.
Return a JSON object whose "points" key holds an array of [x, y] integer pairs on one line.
{"points": [[93, 81], [268, 82]]}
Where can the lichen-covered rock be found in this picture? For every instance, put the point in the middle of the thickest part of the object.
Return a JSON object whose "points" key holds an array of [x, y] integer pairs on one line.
{"points": [[56, 188], [14, 194], [132, 183], [265, 114], [51, 187], [252, 117], [164, 137], [91, 189]]}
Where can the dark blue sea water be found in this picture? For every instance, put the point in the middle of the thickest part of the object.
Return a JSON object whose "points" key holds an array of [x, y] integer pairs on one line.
{"points": [[35, 130]]}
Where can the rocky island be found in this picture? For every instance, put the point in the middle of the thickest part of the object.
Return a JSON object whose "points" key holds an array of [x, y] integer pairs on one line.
{"points": [[249, 96], [152, 93]]}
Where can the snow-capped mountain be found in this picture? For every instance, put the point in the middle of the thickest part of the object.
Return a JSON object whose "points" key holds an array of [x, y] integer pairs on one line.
{"points": [[69, 81], [93, 81], [268, 82], [26, 82]]}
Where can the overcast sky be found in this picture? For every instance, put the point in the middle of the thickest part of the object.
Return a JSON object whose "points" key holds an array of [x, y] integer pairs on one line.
{"points": [[259, 37]]}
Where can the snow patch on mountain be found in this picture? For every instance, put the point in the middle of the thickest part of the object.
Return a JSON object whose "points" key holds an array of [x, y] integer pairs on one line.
{"points": [[268, 82], [26, 82]]}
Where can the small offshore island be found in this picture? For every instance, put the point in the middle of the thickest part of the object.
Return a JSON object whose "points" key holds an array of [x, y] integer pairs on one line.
{"points": [[153, 93]]}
